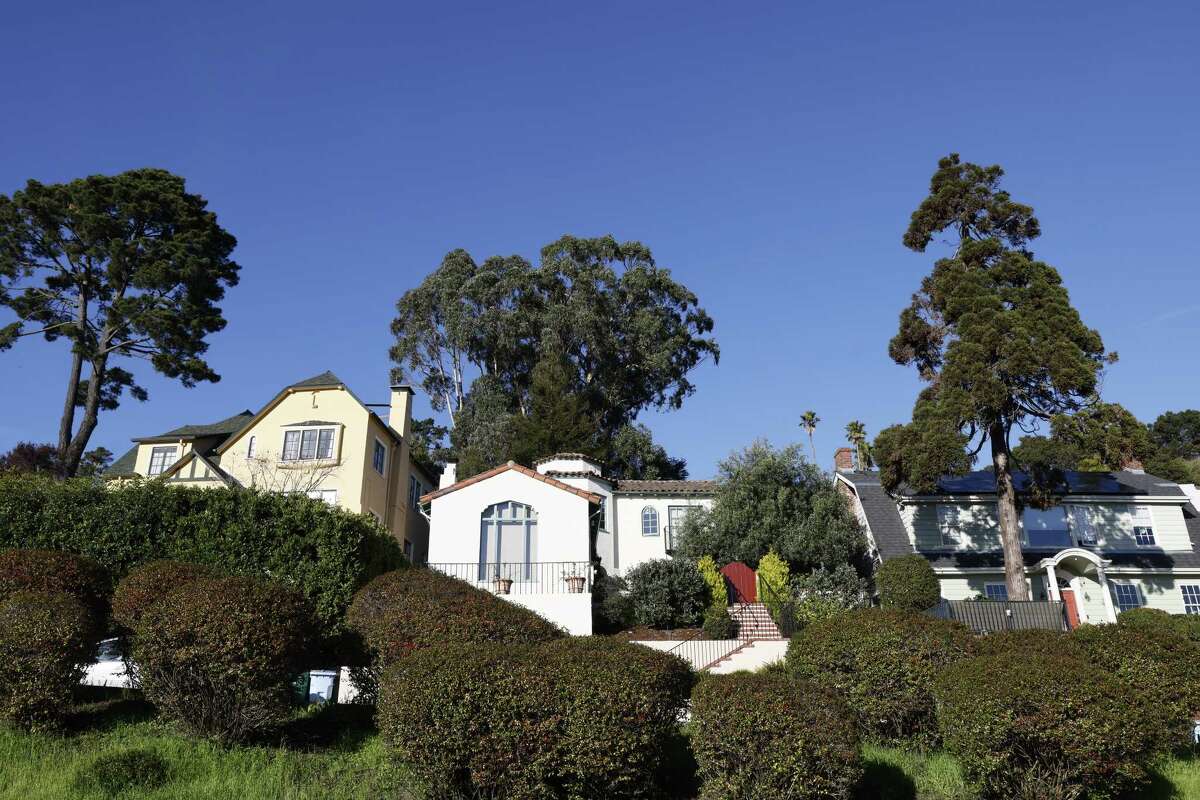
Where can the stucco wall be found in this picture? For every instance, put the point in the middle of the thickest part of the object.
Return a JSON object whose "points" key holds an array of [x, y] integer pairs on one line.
{"points": [[632, 548]]}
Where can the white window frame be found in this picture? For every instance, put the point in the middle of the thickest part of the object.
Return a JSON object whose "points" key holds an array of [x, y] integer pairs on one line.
{"points": [[948, 528], [379, 448], [329, 496], [1191, 597], [298, 451], [1082, 520], [1122, 599], [1143, 520], [650, 515], [158, 467], [996, 591]]}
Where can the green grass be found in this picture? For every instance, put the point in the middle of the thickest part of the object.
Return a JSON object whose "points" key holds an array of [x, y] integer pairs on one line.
{"points": [[332, 753], [895, 774]]}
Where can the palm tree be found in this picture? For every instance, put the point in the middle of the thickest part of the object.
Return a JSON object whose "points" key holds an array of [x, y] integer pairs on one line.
{"points": [[856, 432], [808, 421]]}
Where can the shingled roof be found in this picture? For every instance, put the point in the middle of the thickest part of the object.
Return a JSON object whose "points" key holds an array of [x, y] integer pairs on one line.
{"points": [[225, 427], [326, 378], [883, 517]]}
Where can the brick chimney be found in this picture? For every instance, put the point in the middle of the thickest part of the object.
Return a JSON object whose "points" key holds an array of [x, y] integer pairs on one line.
{"points": [[843, 459]]}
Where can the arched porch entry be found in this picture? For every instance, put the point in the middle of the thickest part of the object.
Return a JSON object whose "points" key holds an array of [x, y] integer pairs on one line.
{"points": [[1077, 578]]}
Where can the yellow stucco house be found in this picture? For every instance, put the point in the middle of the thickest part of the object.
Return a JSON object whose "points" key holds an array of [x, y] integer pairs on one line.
{"points": [[314, 437]]}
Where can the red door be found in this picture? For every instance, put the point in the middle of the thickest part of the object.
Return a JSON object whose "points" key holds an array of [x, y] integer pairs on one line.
{"points": [[743, 583], [1068, 596]]}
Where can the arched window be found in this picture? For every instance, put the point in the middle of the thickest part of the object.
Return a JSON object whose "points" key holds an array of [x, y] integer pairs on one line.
{"points": [[649, 521], [507, 541]]}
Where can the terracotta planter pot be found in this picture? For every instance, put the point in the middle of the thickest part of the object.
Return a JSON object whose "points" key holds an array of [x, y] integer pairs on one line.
{"points": [[502, 585], [575, 583]]}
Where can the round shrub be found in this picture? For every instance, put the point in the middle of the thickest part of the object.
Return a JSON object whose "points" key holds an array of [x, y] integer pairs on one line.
{"points": [[908, 583], [1033, 640], [586, 717], [46, 640], [612, 608], [668, 593], [883, 664], [218, 655], [147, 584], [1185, 625], [765, 736], [1161, 663], [718, 592], [112, 773], [1022, 722], [718, 624], [56, 571]]}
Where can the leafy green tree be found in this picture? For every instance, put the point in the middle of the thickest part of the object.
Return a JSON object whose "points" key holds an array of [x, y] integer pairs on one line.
{"points": [[484, 435], [634, 455], [993, 333], [808, 421], [856, 432], [558, 421], [774, 499], [1177, 434], [95, 462], [630, 334], [1101, 438], [121, 266], [427, 443]]}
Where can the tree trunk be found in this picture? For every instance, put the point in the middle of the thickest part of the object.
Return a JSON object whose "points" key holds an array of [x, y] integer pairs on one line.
{"points": [[67, 423], [91, 410], [1010, 525]]}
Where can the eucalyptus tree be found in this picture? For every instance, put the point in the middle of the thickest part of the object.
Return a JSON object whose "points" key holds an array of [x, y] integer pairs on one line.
{"points": [[992, 332], [808, 421], [128, 266]]}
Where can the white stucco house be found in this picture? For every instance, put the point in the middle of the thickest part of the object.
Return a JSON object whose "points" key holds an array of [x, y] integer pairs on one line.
{"points": [[535, 535]]}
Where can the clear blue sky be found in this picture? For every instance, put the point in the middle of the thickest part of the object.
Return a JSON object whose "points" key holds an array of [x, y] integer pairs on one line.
{"points": [[770, 154]]}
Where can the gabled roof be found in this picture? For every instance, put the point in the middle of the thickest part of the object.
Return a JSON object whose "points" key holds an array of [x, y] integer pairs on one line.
{"points": [[123, 466], [324, 379], [883, 517], [1123, 482], [174, 469], [666, 487], [513, 466], [225, 427]]}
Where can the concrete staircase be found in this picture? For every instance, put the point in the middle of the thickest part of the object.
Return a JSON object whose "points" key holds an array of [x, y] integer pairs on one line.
{"points": [[754, 622], [750, 657]]}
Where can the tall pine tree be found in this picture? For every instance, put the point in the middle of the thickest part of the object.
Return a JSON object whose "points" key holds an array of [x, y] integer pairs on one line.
{"points": [[558, 420]]}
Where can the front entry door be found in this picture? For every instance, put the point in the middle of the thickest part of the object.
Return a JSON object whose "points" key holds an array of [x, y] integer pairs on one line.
{"points": [[1069, 603], [742, 581]]}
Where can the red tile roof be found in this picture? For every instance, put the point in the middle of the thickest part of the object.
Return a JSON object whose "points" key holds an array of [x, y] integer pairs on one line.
{"points": [[483, 476]]}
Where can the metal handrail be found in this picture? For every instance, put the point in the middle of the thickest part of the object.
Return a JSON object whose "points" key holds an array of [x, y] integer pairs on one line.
{"points": [[522, 577]]}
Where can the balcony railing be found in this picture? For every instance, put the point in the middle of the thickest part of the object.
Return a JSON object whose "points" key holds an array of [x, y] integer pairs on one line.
{"points": [[522, 577]]}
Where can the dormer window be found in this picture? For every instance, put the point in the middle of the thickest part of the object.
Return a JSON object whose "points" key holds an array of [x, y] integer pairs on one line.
{"points": [[161, 458], [308, 444]]}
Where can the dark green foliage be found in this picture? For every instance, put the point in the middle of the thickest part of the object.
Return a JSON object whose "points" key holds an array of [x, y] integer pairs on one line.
{"points": [[112, 773], [412, 609], [55, 571], [1033, 641], [147, 584], [1177, 433], [667, 593], [427, 444], [558, 419], [770, 499], [1021, 721], [883, 663], [120, 266], [908, 583], [630, 334], [1158, 661], [1103, 437], [30, 457], [718, 624], [324, 552], [1153, 619], [584, 717], [634, 455], [994, 334], [766, 736], [483, 433], [46, 640], [218, 655], [612, 607]]}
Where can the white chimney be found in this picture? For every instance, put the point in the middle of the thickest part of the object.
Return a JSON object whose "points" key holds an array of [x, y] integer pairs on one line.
{"points": [[400, 412], [449, 475]]}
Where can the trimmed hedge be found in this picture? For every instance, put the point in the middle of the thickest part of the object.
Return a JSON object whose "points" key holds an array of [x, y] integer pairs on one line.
{"points": [[34, 570], [323, 552], [1159, 662], [584, 717], [883, 663], [1033, 641], [1023, 722], [718, 624], [718, 593], [668, 593], [146, 585], [218, 655], [764, 736], [46, 640], [1185, 625], [612, 608], [908, 583]]}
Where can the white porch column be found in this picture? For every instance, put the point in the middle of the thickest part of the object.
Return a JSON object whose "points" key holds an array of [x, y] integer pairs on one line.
{"points": [[1053, 580], [1109, 611]]}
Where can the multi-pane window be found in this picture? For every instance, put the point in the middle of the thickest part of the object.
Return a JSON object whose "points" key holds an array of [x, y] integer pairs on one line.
{"points": [[675, 518], [414, 492], [649, 521], [949, 526], [379, 457], [308, 444], [1191, 598], [1128, 596], [1083, 524], [1143, 526], [160, 459], [995, 591], [1046, 527], [507, 541]]}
